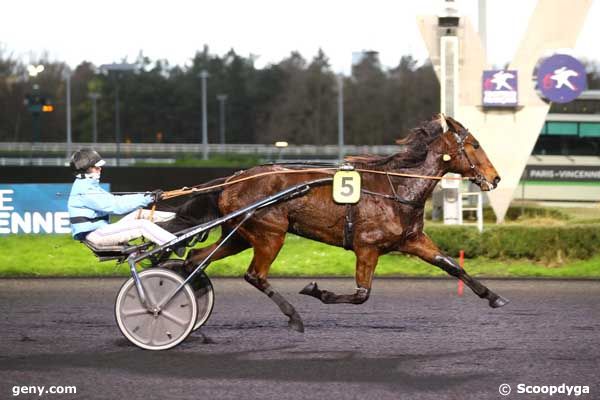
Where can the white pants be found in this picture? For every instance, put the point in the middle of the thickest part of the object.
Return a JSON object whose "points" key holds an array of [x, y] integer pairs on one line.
{"points": [[132, 226]]}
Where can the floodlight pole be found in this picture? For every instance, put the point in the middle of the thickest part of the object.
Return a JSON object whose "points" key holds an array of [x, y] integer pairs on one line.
{"points": [[33, 71], [222, 98], [204, 75], [69, 131], [341, 117], [94, 97], [117, 123], [116, 68]]}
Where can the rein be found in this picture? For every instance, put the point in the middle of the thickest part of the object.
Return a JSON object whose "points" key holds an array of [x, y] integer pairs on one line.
{"points": [[328, 170]]}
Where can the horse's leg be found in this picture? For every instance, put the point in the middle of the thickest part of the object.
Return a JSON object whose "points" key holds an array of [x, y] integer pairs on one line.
{"points": [[265, 251], [366, 260], [234, 245], [422, 246]]}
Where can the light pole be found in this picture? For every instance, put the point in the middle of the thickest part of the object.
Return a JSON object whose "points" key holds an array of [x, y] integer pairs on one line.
{"points": [[67, 75], [35, 106], [222, 98], [204, 75], [341, 117], [115, 69], [93, 96], [117, 123]]}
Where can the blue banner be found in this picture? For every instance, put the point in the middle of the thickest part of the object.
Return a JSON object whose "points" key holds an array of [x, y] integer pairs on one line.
{"points": [[561, 78], [500, 88], [35, 208]]}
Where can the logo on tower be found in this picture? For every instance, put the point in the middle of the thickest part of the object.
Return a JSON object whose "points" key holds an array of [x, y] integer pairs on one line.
{"points": [[500, 88], [561, 78]]}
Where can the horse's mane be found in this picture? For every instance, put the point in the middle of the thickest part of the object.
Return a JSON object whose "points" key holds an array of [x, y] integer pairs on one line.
{"points": [[415, 146]]}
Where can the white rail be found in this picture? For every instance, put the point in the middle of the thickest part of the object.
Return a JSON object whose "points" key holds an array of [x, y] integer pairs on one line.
{"points": [[60, 161], [128, 149], [478, 208]]}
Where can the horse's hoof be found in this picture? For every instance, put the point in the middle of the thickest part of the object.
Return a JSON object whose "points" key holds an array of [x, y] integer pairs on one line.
{"points": [[297, 325], [498, 302], [311, 290]]}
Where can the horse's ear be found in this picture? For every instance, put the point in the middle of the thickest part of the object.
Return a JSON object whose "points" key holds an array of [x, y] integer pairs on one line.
{"points": [[443, 123], [406, 139], [454, 125]]}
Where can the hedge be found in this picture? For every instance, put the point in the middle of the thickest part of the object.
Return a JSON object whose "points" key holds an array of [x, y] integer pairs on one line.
{"points": [[550, 244], [514, 213]]}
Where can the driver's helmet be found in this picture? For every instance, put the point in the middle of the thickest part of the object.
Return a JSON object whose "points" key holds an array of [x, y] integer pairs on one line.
{"points": [[83, 159]]}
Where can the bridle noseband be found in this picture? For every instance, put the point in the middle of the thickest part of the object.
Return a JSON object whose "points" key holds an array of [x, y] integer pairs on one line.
{"points": [[461, 141]]}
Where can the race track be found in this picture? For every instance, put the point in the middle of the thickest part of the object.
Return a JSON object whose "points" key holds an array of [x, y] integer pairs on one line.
{"points": [[414, 339]]}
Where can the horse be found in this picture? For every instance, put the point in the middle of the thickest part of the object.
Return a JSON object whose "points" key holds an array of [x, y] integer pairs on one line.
{"points": [[388, 217]]}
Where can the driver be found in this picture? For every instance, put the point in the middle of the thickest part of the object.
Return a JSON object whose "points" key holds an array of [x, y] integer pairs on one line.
{"points": [[90, 207]]}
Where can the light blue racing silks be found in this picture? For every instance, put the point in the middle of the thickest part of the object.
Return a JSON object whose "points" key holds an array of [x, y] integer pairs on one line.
{"points": [[90, 205]]}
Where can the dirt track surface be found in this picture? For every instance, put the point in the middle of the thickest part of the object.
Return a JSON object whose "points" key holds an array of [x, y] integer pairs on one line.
{"points": [[414, 339]]}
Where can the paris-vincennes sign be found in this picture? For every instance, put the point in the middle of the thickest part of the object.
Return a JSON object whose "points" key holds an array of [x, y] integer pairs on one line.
{"points": [[35, 208]]}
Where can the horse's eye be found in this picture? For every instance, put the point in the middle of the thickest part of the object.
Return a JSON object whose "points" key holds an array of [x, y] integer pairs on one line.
{"points": [[476, 145]]}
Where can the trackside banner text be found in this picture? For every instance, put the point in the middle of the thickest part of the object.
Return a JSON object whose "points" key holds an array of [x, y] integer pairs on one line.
{"points": [[35, 208]]}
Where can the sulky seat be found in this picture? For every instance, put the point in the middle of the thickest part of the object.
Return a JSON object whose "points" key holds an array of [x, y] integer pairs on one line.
{"points": [[117, 252]]}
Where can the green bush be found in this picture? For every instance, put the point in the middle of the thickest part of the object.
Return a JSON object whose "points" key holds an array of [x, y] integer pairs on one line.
{"points": [[549, 244], [527, 211], [514, 213]]}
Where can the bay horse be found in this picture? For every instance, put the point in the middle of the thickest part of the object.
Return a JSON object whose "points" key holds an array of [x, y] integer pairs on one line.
{"points": [[389, 216]]}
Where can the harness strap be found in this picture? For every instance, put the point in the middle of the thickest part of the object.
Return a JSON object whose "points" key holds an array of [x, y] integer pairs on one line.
{"points": [[348, 242], [395, 198], [80, 220], [391, 185]]}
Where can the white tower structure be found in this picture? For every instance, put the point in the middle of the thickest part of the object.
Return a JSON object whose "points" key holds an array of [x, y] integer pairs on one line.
{"points": [[507, 135]]}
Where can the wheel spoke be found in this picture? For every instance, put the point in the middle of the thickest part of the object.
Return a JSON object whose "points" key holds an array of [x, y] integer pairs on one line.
{"points": [[141, 330], [153, 327], [137, 311], [173, 318], [150, 297]]}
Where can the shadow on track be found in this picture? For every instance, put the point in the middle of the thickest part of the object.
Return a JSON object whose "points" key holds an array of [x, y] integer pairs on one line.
{"points": [[274, 364]]}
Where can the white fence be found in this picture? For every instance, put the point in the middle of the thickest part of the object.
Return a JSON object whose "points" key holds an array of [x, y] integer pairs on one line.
{"points": [[61, 161], [136, 149]]}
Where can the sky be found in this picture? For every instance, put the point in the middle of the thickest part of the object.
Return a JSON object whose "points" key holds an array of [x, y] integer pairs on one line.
{"points": [[112, 30]]}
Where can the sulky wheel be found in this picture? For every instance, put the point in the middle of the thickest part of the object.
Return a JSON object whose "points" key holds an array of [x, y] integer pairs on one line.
{"points": [[205, 298], [203, 290], [164, 328]]}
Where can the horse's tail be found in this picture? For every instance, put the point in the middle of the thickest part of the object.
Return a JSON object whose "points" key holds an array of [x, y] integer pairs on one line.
{"points": [[196, 209]]}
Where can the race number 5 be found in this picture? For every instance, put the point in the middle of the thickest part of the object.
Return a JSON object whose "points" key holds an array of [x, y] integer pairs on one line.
{"points": [[346, 187]]}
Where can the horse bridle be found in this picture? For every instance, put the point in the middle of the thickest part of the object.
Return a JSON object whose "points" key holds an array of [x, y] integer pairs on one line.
{"points": [[461, 140]]}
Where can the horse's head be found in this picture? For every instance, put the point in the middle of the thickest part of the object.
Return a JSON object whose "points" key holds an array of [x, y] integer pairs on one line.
{"points": [[462, 154]]}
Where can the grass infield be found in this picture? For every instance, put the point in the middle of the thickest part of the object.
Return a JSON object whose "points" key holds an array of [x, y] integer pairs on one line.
{"points": [[61, 256]]}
